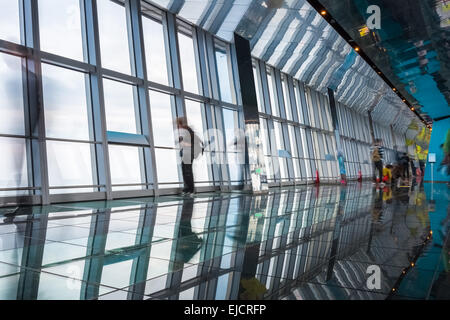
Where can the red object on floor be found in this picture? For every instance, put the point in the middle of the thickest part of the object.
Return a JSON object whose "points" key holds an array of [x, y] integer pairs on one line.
{"points": [[359, 176], [317, 177]]}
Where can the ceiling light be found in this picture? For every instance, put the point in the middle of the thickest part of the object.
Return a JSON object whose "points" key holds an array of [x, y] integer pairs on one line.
{"points": [[356, 49], [323, 12]]}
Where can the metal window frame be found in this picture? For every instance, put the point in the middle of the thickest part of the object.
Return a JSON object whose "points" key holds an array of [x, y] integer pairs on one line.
{"points": [[30, 52]]}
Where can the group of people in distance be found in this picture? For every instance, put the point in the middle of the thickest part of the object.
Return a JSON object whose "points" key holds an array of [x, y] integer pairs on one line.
{"points": [[192, 146], [389, 174]]}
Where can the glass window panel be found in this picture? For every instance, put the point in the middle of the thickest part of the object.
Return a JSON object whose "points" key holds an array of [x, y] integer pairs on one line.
{"points": [[257, 88], [200, 168], [188, 63], [287, 104], [283, 168], [125, 166], [13, 168], [66, 110], [269, 167], [299, 96], [10, 20], [155, 51], [311, 106], [119, 106], [225, 81], [303, 169], [320, 110], [278, 136], [112, 24], [298, 142], [305, 148], [298, 103], [166, 166], [60, 28], [264, 135], [309, 145], [321, 143], [317, 109], [162, 119], [293, 141], [235, 166], [11, 95], [297, 173], [230, 128], [326, 118], [69, 164], [273, 101], [305, 108], [194, 117]]}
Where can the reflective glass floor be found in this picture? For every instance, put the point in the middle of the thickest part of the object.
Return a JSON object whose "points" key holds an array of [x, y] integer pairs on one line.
{"points": [[306, 242]]}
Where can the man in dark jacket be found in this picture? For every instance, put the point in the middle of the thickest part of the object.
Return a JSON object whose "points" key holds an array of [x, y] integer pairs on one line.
{"points": [[404, 162], [377, 153], [186, 140]]}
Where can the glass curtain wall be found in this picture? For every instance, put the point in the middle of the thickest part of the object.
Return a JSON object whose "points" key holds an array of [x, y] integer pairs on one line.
{"points": [[390, 145], [91, 90], [109, 78], [296, 124], [299, 135], [356, 141]]}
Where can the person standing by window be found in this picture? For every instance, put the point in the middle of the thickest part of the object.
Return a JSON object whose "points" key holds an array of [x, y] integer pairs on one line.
{"points": [[191, 147], [377, 153]]}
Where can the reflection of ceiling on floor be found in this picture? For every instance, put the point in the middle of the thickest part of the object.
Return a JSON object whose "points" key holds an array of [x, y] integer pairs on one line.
{"points": [[291, 36]]}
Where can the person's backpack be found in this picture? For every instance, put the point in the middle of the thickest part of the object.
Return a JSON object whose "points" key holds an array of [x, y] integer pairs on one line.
{"points": [[198, 145], [376, 155]]}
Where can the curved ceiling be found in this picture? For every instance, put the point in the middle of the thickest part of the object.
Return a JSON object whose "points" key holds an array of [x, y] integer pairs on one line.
{"points": [[291, 36]]}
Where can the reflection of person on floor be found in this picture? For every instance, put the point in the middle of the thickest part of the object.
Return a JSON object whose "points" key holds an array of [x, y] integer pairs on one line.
{"points": [[387, 174], [396, 174], [188, 242], [387, 194], [404, 163], [378, 205]]}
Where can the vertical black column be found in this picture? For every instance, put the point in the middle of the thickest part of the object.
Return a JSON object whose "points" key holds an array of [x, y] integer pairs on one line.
{"points": [[246, 79], [254, 151], [372, 132]]}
